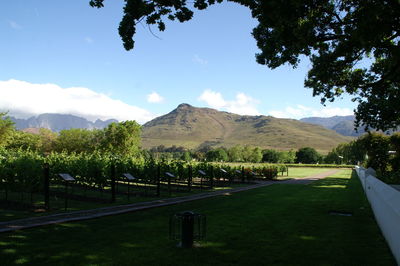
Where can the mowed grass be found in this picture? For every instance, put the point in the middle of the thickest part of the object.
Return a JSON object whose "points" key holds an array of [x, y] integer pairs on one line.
{"points": [[280, 224], [302, 172]]}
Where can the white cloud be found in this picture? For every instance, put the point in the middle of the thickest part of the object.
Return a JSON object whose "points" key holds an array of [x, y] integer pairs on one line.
{"points": [[88, 40], [24, 99], [300, 111], [243, 104], [197, 59], [154, 97], [14, 25], [213, 99]]}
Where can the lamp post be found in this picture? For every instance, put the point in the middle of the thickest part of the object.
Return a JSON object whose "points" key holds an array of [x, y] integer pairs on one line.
{"points": [[341, 159]]}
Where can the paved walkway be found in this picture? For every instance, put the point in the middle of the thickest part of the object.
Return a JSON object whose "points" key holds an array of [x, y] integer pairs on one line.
{"points": [[106, 211]]}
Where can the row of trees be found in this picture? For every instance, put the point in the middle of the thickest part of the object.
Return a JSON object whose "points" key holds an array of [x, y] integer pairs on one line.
{"points": [[119, 138], [237, 153], [376, 150]]}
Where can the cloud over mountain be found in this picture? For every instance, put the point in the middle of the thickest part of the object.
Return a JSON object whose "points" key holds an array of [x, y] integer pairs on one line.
{"points": [[25, 99]]}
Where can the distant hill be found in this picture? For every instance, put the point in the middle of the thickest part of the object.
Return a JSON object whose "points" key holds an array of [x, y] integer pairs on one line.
{"points": [[343, 125], [58, 122], [194, 127]]}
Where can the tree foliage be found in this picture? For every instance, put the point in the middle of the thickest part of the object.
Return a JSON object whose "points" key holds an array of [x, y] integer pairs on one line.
{"points": [[122, 138], [270, 156], [353, 45], [6, 128], [307, 155], [377, 146], [75, 140], [217, 155], [24, 141]]}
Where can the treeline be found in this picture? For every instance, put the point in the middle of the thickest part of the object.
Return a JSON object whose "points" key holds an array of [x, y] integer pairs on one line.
{"points": [[376, 150], [119, 138], [238, 153]]}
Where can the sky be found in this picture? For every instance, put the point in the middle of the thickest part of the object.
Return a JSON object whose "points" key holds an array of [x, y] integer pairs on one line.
{"points": [[67, 57]]}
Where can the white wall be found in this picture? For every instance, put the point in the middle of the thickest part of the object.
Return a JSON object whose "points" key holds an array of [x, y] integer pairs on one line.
{"points": [[385, 203]]}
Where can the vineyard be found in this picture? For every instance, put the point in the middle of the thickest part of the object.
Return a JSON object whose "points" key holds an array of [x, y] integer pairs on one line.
{"points": [[27, 175]]}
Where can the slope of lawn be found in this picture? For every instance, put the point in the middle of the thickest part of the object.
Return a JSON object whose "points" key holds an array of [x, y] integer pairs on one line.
{"points": [[280, 224]]}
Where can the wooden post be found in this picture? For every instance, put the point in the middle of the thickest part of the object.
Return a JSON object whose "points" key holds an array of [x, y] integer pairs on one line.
{"points": [[158, 180], [169, 185], [242, 174], [112, 182], [46, 174], [211, 176], [190, 178], [66, 195]]}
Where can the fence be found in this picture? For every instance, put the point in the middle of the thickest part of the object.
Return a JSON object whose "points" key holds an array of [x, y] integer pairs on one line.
{"points": [[385, 203]]}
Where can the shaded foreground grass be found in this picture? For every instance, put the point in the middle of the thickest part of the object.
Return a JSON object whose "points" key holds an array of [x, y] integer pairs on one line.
{"points": [[278, 224]]}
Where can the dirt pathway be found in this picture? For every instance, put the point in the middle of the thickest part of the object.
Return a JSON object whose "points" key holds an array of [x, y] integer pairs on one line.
{"points": [[113, 210]]}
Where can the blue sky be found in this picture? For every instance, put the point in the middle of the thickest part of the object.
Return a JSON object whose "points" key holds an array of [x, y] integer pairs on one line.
{"points": [[66, 57]]}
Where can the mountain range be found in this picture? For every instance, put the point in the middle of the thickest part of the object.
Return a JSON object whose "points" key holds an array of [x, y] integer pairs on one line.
{"points": [[343, 125], [194, 127], [58, 122]]}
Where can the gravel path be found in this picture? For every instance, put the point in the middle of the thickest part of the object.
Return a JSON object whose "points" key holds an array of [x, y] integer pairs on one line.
{"points": [[113, 210]]}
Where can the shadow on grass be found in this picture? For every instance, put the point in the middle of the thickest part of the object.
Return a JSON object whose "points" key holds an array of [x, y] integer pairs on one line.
{"points": [[276, 225]]}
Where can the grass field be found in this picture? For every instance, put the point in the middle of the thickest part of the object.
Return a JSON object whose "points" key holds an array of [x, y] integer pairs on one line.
{"points": [[279, 224], [302, 172]]}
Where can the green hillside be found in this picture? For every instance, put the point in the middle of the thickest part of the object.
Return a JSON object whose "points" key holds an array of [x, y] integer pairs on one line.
{"points": [[192, 127]]}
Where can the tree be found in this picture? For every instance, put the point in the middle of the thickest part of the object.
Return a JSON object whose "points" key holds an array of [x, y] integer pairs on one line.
{"points": [[256, 155], [377, 146], [75, 140], [24, 141], [235, 153], [186, 156], [122, 138], [48, 139], [6, 128], [218, 155], [395, 146], [287, 156], [353, 45], [270, 156], [307, 155]]}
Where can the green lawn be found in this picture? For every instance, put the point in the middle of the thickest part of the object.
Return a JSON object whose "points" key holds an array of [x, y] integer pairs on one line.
{"points": [[279, 224], [301, 172]]}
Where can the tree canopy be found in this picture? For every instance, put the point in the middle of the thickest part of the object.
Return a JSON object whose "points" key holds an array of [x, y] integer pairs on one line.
{"points": [[353, 45], [307, 155], [6, 128]]}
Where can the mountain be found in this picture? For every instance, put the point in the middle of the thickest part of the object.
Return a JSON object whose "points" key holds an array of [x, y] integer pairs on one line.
{"points": [[343, 125], [193, 127], [58, 122]]}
